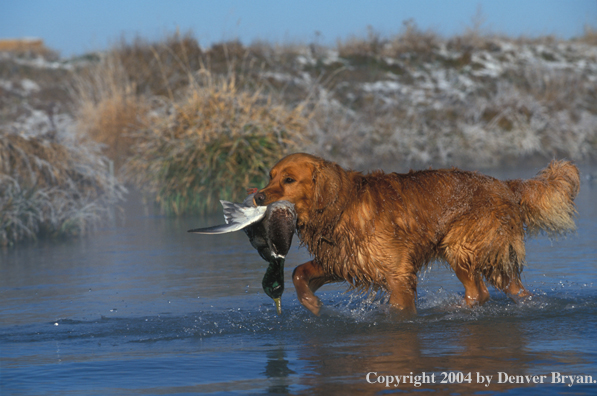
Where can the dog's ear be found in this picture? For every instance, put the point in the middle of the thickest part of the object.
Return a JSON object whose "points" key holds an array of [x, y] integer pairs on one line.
{"points": [[327, 182]]}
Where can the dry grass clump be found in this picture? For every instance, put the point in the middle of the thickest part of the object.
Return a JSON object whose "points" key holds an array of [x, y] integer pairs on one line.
{"points": [[53, 186], [107, 106], [213, 143], [113, 97], [159, 68], [354, 46], [589, 36], [410, 40], [191, 136], [167, 66], [474, 36], [21, 211]]}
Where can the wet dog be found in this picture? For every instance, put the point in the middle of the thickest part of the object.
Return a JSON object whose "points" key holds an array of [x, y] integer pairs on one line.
{"points": [[377, 230]]}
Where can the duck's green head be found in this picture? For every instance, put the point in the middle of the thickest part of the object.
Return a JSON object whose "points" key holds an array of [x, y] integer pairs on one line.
{"points": [[273, 282]]}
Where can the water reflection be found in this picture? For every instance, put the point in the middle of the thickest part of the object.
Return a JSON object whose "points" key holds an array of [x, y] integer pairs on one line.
{"points": [[277, 370], [483, 347]]}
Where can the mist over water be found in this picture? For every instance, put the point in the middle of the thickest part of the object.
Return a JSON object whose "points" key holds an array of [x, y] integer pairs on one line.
{"points": [[142, 307]]}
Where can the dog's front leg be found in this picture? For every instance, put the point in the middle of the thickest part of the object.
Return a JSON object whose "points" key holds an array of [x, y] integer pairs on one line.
{"points": [[307, 278]]}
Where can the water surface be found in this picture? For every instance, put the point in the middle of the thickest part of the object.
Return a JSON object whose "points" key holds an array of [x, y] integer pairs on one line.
{"points": [[142, 307]]}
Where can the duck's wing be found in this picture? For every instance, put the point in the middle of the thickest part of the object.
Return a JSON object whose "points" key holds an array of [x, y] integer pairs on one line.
{"points": [[237, 216]]}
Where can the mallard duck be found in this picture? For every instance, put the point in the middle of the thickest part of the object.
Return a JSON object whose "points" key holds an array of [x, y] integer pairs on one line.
{"points": [[270, 230]]}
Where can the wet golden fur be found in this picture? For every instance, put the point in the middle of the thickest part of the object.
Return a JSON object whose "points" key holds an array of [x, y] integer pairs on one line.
{"points": [[378, 230]]}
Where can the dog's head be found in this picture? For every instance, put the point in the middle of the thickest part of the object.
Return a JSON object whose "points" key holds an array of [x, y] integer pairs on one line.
{"points": [[309, 182]]}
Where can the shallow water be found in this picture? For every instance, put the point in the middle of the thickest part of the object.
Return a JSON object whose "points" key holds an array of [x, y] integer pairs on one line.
{"points": [[142, 307]]}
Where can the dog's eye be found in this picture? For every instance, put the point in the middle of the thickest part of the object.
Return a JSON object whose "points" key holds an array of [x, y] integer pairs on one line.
{"points": [[289, 180]]}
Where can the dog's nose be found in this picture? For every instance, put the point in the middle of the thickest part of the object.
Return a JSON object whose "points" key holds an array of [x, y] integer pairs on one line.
{"points": [[259, 198]]}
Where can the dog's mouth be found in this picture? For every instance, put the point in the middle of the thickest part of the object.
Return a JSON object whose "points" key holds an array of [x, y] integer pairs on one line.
{"points": [[264, 198]]}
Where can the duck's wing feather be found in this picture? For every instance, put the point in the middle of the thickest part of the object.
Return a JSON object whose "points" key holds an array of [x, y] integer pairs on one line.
{"points": [[237, 217], [219, 229]]}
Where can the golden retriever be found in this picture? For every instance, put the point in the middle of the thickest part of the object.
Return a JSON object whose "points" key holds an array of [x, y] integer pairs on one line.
{"points": [[378, 230]]}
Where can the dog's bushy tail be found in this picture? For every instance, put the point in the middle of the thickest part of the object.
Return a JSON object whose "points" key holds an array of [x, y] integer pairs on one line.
{"points": [[547, 200]]}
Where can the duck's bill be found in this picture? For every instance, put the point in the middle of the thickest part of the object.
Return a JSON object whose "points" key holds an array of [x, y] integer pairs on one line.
{"points": [[237, 217], [278, 302]]}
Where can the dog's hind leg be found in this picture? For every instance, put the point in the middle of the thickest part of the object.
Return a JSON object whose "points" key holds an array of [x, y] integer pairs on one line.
{"points": [[505, 274], [475, 291], [514, 288], [307, 278], [461, 259]]}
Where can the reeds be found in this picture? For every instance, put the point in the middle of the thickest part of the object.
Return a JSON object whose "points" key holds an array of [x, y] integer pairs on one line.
{"points": [[213, 143], [108, 107], [50, 185], [190, 126]]}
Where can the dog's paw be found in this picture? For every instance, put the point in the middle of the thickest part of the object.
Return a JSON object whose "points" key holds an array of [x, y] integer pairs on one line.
{"points": [[312, 303]]}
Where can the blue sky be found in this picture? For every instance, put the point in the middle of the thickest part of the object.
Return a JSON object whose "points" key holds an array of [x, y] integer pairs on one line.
{"points": [[76, 26]]}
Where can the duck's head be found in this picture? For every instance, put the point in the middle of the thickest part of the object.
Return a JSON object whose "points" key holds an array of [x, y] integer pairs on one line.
{"points": [[273, 282]]}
